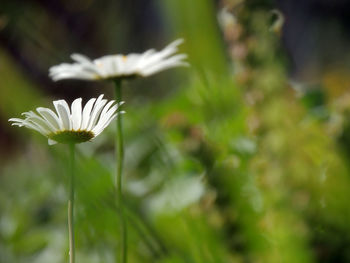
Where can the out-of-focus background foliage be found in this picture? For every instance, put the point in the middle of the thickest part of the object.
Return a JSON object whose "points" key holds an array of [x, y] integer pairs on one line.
{"points": [[243, 157]]}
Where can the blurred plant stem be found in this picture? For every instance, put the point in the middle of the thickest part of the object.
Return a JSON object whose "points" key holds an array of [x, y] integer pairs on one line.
{"points": [[145, 230], [71, 203], [120, 158]]}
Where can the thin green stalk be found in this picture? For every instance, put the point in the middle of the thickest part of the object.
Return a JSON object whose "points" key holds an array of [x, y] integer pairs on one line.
{"points": [[71, 203], [122, 258], [145, 231]]}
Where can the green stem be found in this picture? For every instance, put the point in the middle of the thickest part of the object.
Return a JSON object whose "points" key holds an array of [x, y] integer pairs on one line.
{"points": [[145, 231], [120, 159], [71, 203]]}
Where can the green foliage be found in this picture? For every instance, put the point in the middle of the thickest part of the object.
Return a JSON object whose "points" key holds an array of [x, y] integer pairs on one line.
{"points": [[232, 166]]}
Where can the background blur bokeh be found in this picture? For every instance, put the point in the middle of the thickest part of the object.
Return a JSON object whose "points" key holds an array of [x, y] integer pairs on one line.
{"points": [[242, 157]]}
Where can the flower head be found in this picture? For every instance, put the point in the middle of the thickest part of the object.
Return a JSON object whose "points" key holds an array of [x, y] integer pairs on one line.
{"points": [[71, 124], [120, 66]]}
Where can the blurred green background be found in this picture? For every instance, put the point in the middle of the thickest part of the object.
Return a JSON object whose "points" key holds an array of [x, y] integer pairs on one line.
{"points": [[243, 157]]}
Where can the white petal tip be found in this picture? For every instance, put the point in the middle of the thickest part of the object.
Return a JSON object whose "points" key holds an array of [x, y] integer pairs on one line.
{"points": [[178, 42], [51, 142], [75, 55]]}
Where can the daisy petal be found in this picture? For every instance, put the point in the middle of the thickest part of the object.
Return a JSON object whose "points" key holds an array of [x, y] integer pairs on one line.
{"points": [[51, 142], [63, 111], [119, 66], [76, 114], [70, 125], [86, 113], [50, 117]]}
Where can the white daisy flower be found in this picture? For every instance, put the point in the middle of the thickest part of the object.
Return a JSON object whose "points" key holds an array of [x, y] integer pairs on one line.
{"points": [[120, 66], [71, 125]]}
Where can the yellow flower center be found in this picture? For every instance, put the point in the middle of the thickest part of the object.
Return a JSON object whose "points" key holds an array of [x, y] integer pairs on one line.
{"points": [[71, 136]]}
